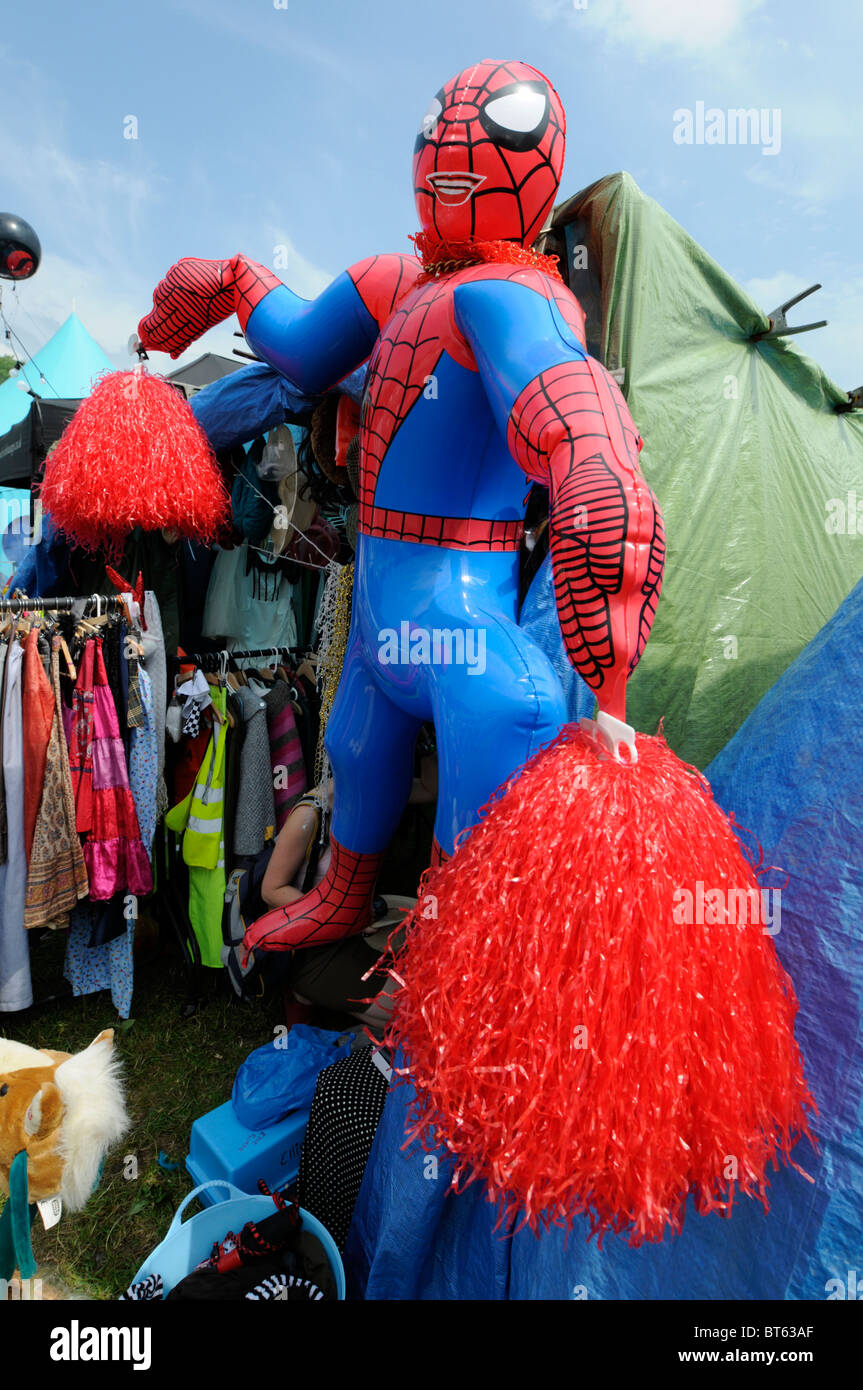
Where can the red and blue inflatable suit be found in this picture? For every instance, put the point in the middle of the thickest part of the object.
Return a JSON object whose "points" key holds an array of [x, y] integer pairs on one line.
{"points": [[478, 381], [576, 1039]]}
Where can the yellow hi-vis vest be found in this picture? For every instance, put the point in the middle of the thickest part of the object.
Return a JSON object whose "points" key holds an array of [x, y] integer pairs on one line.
{"points": [[201, 813]]}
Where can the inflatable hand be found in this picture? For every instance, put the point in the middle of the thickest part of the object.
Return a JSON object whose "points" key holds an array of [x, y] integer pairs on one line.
{"points": [[195, 295]]}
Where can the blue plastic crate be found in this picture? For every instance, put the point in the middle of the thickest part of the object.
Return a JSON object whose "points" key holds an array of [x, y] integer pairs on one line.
{"points": [[220, 1147]]}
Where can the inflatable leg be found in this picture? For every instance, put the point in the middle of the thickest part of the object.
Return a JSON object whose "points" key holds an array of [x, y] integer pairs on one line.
{"points": [[490, 717], [438, 855], [370, 742]]}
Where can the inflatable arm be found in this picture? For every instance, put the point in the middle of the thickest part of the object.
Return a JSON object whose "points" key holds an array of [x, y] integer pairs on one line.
{"points": [[568, 426], [314, 343]]}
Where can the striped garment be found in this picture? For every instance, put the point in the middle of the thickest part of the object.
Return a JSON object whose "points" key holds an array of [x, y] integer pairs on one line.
{"points": [[145, 1290], [286, 752], [284, 1287], [38, 715]]}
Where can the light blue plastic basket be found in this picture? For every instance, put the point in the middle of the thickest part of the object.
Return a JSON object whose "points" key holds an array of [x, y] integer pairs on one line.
{"points": [[189, 1242]]}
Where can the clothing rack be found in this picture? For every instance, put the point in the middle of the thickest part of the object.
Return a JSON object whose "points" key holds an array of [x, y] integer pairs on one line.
{"points": [[104, 603], [212, 660]]}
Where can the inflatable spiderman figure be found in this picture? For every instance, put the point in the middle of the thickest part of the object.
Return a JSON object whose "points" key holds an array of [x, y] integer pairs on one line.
{"points": [[478, 383]]}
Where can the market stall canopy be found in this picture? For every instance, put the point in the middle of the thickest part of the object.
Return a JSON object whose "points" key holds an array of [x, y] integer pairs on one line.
{"points": [[209, 367], [752, 451], [24, 446], [66, 368]]}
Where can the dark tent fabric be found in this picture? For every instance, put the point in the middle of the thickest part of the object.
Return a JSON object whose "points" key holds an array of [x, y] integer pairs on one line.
{"points": [[413, 1238], [44, 567], [207, 368], [792, 775], [24, 446]]}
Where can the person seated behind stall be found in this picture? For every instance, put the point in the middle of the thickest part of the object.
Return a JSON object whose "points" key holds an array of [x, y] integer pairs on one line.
{"points": [[294, 867], [342, 976]]}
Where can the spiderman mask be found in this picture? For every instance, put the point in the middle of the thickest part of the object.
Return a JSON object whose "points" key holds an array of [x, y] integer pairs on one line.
{"points": [[489, 155]]}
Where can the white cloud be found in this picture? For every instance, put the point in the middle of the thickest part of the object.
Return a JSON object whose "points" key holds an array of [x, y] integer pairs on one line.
{"points": [[838, 348], [676, 25], [772, 290], [110, 308], [273, 30], [97, 203], [98, 206], [105, 215], [39, 306], [733, 54], [303, 277], [805, 195], [110, 314]]}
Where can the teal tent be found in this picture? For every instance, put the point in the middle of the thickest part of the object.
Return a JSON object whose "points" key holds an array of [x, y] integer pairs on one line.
{"points": [[67, 367]]}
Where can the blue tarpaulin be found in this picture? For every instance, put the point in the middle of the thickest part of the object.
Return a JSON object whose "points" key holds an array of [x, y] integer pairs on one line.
{"points": [[792, 775], [539, 619], [255, 399], [247, 403], [16, 534]]}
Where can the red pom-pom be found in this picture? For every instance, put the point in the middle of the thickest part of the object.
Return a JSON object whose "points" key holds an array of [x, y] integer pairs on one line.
{"points": [[133, 455], [582, 1033]]}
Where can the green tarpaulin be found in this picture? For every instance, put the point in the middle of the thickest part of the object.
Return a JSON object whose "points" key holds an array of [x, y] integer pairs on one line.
{"points": [[754, 469]]}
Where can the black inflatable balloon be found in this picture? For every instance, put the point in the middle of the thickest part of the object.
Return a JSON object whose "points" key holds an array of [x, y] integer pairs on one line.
{"points": [[20, 251]]}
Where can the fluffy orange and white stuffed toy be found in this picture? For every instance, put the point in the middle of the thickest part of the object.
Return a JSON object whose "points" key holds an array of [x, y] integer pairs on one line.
{"points": [[64, 1111]]}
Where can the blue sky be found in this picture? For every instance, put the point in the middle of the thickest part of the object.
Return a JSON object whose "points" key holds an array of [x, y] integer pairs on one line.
{"points": [[290, 123]]}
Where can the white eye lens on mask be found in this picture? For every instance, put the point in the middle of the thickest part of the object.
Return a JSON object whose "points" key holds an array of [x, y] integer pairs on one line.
{"points": [[520, 111]]}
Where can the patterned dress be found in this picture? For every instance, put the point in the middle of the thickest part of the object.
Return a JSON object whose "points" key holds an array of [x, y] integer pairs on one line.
{"points": [[106, 800], [38, 717], [16, 991], [144, 761], [56, 874], [105, 809]]}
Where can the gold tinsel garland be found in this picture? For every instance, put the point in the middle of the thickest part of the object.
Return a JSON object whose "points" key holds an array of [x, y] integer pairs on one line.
{"points": [[331, 662]]}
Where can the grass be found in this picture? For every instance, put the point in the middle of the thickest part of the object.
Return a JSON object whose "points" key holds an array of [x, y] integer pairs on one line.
{"points": [[175, 1069]]}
